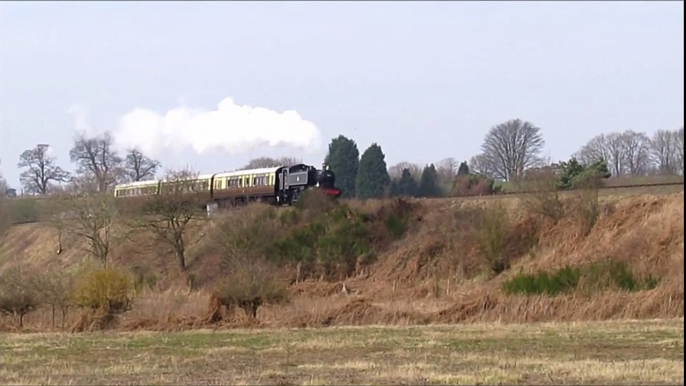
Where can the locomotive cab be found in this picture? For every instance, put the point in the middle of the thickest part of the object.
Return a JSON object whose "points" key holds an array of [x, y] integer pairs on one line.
{"points": [[326, 181]]}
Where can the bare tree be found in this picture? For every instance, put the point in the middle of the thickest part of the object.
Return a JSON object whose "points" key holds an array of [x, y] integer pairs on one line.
{"points": [[97, 159], [679, 150], [138, 167], [55, 288], [267, 162], [663, 151], [171, 214], [636, 152], [593, 151], [480, 164], [91, 217], [396, 171], [42, 170], [610, 147], [512, 147]]}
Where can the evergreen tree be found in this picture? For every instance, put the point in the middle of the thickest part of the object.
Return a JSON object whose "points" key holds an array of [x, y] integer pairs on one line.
{"points": [[463, 170], [372, 175], [343, 160], [406, 186], [428, 186]]}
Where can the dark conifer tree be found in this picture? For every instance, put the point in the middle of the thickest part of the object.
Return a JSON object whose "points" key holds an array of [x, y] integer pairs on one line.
{"points": [[428, 186], [372, 175], [343, 160], [406, 186]]}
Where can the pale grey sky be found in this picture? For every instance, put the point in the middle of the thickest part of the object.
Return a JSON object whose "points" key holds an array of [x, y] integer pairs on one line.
{"points": [[425, 80]]}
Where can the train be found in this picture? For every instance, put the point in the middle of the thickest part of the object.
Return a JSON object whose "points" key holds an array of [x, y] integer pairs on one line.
{"points": [[279, 185]]}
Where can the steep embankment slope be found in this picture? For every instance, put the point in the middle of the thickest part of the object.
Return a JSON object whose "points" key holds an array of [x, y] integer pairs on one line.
{"points": [[437, 270]]}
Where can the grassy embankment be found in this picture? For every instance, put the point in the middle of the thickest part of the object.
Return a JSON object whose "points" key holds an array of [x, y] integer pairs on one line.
{"points": [[519, 259]]}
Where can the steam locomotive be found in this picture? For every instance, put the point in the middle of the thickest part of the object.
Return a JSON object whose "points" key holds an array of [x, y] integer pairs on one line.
{"points": [[281, 185]]}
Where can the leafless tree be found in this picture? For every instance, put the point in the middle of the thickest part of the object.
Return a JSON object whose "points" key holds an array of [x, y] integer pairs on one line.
{"points": [[88, 216], [267, 162], [55, 288], [679, 150], [511, 147], [138, 167], [3, 183], [608, 147], [97, 159], [594, 150], [663, 151], [41, 170], [636, 152], [172, 213], [479, 164], [396, 171]]}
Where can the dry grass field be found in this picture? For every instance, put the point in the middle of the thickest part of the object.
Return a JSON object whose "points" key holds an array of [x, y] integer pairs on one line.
{"points": [[611, 352]]}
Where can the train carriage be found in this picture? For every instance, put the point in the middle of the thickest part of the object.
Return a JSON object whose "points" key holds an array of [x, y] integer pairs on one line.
{"points": [[280, 185]]}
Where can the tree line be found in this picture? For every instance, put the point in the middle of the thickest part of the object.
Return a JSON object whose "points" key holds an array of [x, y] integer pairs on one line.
{"points": [[509, 151]]}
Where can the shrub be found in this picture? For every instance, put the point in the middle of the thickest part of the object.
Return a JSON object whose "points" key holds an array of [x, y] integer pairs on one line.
{"points": [[248, 231], [23, 210], [109, 291], [492, 233], [249, 286], [585, 205], [56, 289], [541, 197], [396, 217], [18, 294]]}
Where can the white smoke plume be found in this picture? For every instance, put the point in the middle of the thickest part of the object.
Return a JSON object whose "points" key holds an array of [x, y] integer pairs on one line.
{"points": [[232, 128]]}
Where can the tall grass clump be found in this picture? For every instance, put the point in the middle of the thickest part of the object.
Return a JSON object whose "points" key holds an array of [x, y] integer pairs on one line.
{"points": [[493, 230], [589, 278]]}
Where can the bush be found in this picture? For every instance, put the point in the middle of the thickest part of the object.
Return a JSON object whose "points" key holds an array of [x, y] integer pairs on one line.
{"points": [[249, 286], [396, 217], [18, 294], [541, 197], [23, 210], [492, 233], [249, 231], [109, 291], [590, 278], [585, 205], [56, 289]]}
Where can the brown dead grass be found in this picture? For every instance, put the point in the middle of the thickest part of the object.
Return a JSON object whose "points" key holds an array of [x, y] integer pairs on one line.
{"points": [[434, 274], [626, 352]]}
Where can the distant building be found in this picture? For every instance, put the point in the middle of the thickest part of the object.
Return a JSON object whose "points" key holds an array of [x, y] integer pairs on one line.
{"points": [[10, 192]]}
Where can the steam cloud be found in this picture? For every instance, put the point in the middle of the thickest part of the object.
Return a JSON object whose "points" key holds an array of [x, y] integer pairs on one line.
{"points": [[231, 128]]}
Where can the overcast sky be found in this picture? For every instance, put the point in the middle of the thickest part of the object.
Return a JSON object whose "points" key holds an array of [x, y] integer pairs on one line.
{"points": [[425, 80]]}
